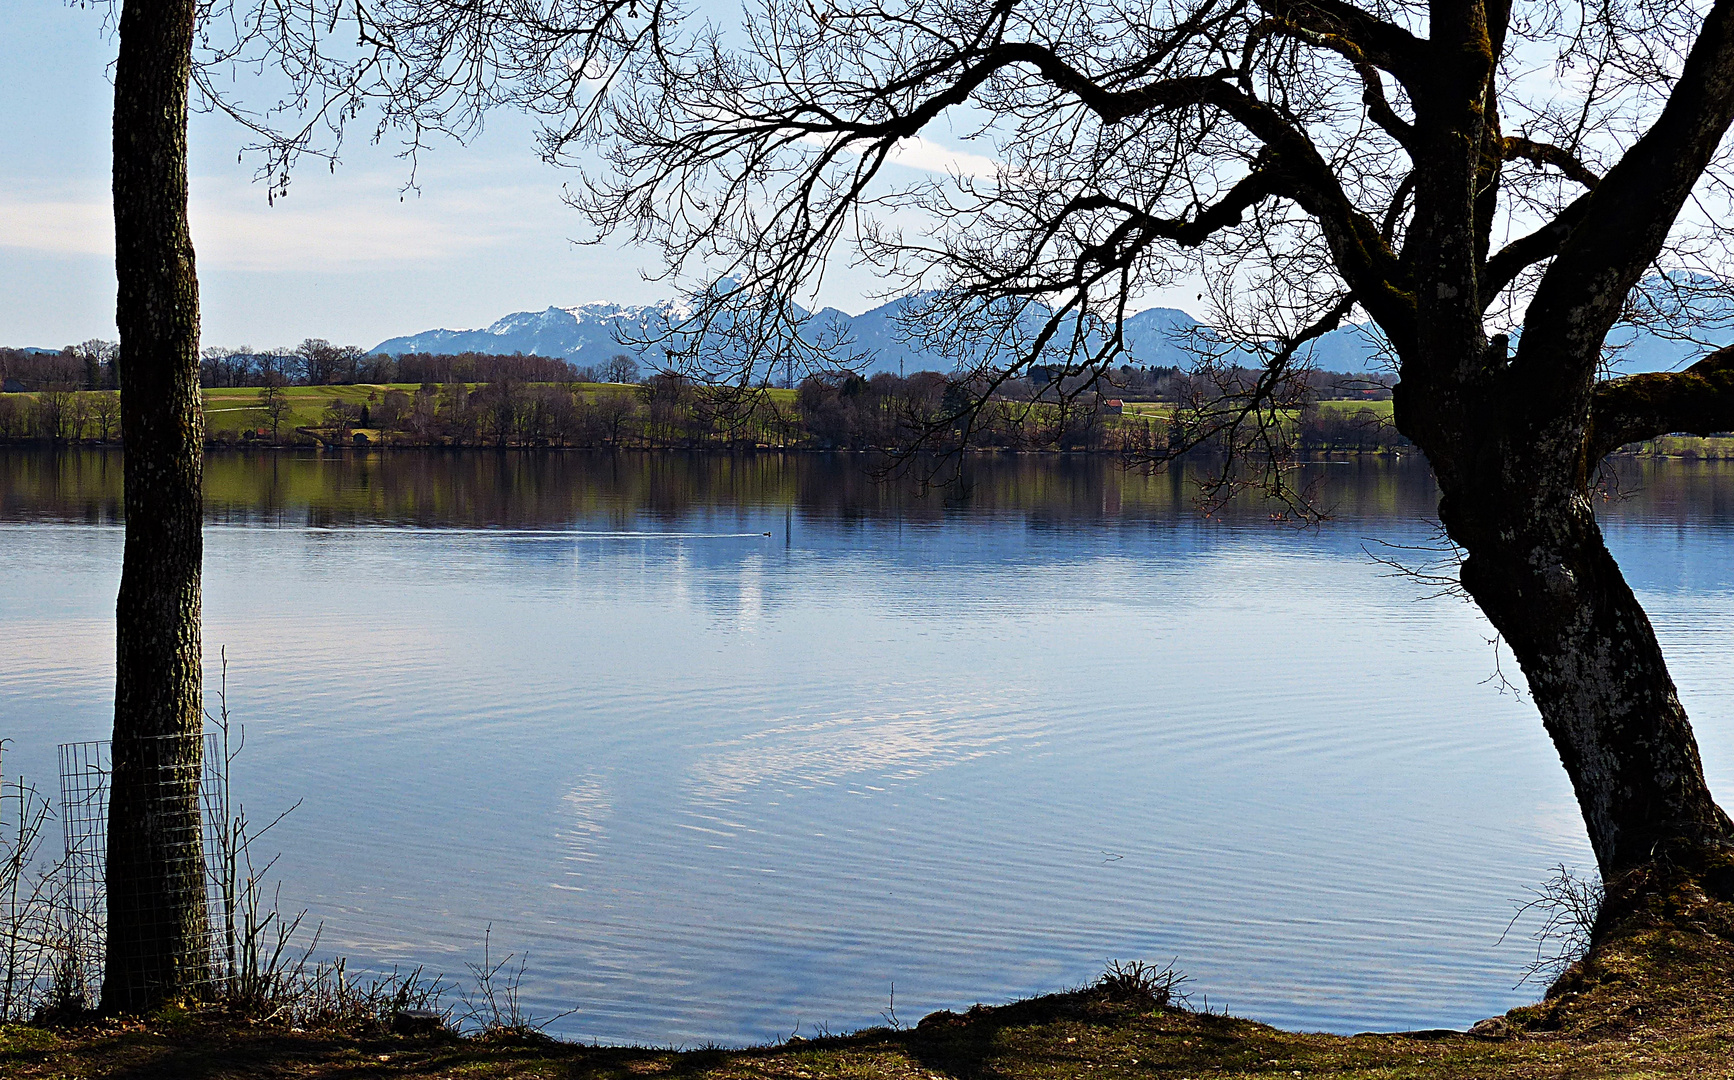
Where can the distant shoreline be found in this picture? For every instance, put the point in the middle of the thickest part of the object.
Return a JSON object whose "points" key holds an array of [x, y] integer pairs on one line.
{"points": [[346, 418], [1684, 448]]}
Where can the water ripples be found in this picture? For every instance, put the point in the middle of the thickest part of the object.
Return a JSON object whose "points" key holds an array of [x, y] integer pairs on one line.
{"points": [[719, 784]]}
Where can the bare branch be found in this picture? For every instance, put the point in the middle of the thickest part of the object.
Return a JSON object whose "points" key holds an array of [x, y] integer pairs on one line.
{"points": [[1541, 153], [1542, 244], [1373, 40], [1698, 401], [1629, 216]]}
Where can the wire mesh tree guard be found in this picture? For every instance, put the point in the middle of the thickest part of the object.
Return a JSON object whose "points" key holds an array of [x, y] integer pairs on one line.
{"points": [[85, 771]]}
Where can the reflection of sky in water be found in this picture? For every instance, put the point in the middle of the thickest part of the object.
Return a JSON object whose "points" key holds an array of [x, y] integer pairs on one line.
{"points": [[720, 786]]}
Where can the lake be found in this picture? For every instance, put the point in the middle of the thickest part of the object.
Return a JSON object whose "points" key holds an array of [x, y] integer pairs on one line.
{"points": [[732, 746]]}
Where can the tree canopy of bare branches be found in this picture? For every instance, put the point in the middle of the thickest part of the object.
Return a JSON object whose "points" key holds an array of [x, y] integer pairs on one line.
{"points": [[1493, 185]]}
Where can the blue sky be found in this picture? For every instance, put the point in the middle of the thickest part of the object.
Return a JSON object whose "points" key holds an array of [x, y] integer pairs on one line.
{"points": [[341, 258], [347, 256]]}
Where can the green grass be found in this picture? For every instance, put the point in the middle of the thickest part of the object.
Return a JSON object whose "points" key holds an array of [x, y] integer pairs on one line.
{"points": [[1691, 447], [237, 409], [1381, 409]]}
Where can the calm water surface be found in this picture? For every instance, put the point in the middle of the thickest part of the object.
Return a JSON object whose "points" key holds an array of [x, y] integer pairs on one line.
{"points": [[722, 785]]}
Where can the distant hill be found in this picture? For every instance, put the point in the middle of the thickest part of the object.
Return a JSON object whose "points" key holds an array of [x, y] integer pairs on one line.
{"points": [[1156, 337], [588, 334], [591, 333]]}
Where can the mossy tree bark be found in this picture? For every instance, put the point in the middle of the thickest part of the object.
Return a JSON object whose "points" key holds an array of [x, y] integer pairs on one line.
{"points": [[1540, 571], [158, 946], [1515, 440]]}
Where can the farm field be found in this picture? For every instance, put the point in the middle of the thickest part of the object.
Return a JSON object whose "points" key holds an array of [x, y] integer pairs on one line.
{"points": [[236, 409]]}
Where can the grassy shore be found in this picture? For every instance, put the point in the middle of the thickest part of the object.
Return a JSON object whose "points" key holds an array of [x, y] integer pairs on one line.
{"points": [[1065, 1037], [234, 410], [237, 409], [231, 413], [1656, 1003]]}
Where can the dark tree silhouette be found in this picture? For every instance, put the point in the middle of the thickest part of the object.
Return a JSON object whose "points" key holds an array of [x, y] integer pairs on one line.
{"points": [[274, 403], [157, 942]]}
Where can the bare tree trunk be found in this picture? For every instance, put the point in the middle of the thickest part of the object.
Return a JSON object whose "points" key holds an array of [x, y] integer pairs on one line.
{"points": [[157, 936], [1539, 569]]}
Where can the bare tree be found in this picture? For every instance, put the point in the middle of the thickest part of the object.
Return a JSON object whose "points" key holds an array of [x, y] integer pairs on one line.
{"points": [[615, 412], [15, 419], [273, 402], [54, 411], [620, 369], [105, 410], [78, 413], [339, 419], [1493, 184], [318, 360], [424, 411], [101, 362]]}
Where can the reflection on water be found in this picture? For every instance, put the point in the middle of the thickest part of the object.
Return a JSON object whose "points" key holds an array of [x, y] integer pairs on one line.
{"points": [[556, 489], [973, 741]]}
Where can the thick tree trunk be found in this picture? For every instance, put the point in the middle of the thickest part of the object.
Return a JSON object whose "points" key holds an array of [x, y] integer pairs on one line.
{"points": [[1538, 568], [158, 947]]}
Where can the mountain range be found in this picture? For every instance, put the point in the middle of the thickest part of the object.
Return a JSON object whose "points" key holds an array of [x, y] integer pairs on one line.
{"points": [[1155, 337]]}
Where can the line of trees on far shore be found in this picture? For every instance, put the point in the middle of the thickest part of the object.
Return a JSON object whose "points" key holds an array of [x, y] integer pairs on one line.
{"points": [[95, 365], [475, 399], [316, 362], [832, 411]]}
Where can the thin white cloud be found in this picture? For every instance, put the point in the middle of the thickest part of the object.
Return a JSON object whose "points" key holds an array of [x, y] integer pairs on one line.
{"points": [[235, 229], [355, 222], [58, 226], [321, 238], [919, 153]]}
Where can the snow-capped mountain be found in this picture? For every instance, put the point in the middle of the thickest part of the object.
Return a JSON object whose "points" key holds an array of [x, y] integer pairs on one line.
{"points": [[588, 334], [591, 333]]}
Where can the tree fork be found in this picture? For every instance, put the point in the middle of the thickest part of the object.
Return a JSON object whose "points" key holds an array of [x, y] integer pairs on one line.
{"points": [[157, 946]]}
